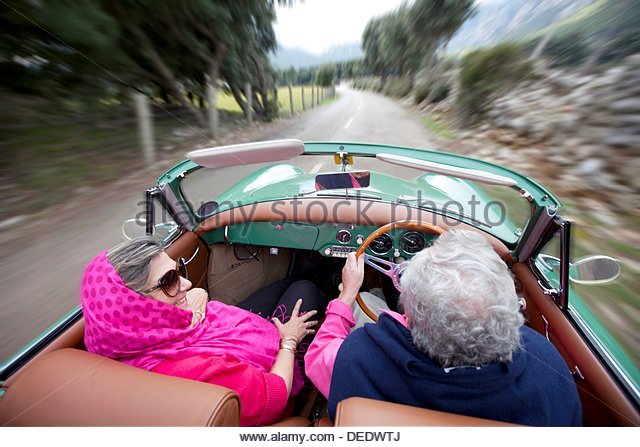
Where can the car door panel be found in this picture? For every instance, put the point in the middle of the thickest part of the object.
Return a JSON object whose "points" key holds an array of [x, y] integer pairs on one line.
{"points": [[603, 402]]}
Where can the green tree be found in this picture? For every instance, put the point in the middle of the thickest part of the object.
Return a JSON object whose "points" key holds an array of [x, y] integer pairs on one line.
{"points": [[400, 42], [326, 75], [372, 46], [434, 22], [169, 49]]}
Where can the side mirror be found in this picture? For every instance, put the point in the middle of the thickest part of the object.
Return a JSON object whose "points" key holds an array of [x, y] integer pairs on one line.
{"points": [[549, 262], [134, 228], [597, 269], [342, 180]]}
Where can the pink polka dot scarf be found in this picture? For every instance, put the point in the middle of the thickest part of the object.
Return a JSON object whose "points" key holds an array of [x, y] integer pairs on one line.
{"points": [[122, 324]]}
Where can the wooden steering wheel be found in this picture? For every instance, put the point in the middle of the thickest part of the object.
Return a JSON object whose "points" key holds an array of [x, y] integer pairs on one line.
{"points": [[391, 269]]}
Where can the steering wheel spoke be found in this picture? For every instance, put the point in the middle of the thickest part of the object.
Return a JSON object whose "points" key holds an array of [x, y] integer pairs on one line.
{"points": [[391, 269], [376, 262]]}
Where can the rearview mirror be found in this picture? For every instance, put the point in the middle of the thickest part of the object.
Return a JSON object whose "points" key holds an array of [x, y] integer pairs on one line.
{"points": [[594, 270], [342, 180]]}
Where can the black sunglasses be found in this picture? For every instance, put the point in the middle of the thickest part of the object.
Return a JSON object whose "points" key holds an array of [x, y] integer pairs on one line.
{"points": [[170, 281]]}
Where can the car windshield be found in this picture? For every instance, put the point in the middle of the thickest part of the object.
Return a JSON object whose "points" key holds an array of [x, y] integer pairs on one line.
{"points": [[498, 210]]}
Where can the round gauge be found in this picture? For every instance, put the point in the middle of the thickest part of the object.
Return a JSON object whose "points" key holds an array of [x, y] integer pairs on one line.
{"points": [[412, 242], [381, 245], [343, 236]]}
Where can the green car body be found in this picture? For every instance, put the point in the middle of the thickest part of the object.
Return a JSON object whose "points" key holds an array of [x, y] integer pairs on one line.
{"points": [[286, 181]]}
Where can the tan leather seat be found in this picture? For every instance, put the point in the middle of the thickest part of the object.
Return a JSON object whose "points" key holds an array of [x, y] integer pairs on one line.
{"points": [[361, 412], [70, 387]]}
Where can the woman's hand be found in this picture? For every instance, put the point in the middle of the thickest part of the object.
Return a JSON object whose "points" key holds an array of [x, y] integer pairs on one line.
{"points": [[298, 326], [197, 299], [352, 276]]}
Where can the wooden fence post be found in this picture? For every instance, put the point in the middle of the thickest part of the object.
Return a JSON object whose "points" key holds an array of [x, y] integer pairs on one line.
{"points": [[313, 96], [212, 99], [304, 104], [291, 98], [145, 127], [249, 103], [277, 101]]}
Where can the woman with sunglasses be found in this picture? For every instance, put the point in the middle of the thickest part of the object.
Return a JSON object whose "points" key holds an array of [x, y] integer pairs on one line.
{"points": [[139, 308]]}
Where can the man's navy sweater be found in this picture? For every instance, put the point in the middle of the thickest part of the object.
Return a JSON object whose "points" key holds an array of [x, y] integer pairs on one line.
{"points": [[380, 361]]}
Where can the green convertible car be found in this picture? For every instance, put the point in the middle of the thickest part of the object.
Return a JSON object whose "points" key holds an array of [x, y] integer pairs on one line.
{"points": [[244, 216]]}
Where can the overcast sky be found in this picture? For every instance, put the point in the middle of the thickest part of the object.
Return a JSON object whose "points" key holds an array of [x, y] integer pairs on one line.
{"points": [[315, 25]]}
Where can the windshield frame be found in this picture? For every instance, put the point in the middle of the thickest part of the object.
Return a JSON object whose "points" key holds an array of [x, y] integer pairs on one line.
{"points": [[539, 198]]}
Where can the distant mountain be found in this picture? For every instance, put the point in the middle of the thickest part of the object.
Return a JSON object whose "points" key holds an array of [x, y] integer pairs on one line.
{"points": [[297, 58], [511, 19]]}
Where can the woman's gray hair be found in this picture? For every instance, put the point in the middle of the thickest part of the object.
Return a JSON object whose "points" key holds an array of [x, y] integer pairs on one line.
{"points": [[461, 299], [132, 260]]}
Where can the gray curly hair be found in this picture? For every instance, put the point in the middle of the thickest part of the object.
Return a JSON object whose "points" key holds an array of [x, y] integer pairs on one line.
{"points": [[461, 299], [132, 260]]}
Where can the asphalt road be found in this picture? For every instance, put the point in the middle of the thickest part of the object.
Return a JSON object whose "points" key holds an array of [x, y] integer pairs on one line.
{"points": [[40, 275]]}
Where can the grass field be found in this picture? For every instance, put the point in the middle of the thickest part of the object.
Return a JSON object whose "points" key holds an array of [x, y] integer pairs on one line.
{"points": [[227, 102]]}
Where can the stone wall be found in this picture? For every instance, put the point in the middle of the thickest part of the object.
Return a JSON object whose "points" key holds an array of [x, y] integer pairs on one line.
{"points": [[586, 126]]}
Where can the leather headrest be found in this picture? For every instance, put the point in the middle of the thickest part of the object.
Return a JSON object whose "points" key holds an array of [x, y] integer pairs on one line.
{"points": [[70, 387], [361, 412]]}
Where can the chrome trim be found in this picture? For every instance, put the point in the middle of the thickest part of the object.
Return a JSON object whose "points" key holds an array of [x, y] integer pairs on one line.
{"points": [[192, 256], [526, 248], [553, 293], [526, 194], [394, 271], [347, 232], [176, 207], [403, 235], [609, 360], [546, 327], [565, 255], [226, 234], [449, 170], [385, 252], [576, 373]]}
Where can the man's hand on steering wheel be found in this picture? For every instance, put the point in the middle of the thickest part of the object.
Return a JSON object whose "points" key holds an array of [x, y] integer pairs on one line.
{"points": [[352, 277]]}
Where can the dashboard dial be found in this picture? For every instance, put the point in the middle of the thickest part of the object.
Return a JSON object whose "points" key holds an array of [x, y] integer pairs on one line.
{"points": [[343, 236], [412, 242], [381, 245]]}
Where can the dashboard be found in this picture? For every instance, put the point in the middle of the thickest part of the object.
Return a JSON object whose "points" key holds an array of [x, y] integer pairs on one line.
{"points": [[329, 239]]}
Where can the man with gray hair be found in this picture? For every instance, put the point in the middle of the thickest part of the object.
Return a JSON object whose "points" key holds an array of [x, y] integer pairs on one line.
{"points": [[461, 346]]}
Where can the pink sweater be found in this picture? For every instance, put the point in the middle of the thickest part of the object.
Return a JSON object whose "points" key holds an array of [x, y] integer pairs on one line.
{"points": [[322, 352], [263, 395]]}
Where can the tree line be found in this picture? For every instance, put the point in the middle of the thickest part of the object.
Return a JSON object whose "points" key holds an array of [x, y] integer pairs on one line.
{"points": [[403, 41], [171, 50]]}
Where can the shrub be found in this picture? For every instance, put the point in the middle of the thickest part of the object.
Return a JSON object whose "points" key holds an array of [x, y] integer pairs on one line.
{"points": [[486, 72], [421, 92], [370, 83], [439, 92], [398, 87], [569, 50]]}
